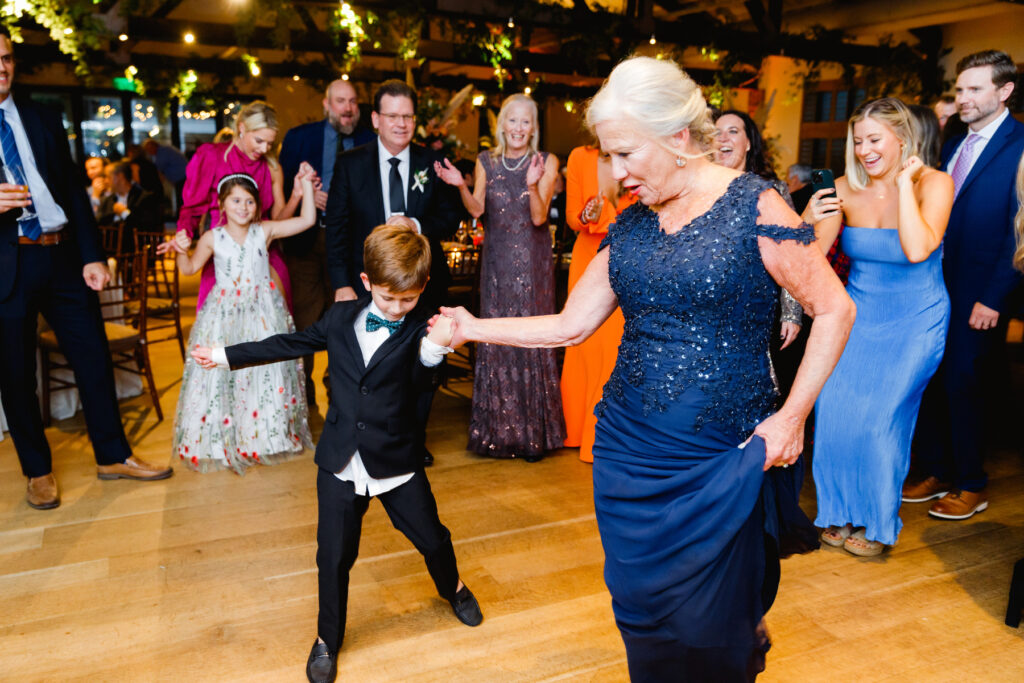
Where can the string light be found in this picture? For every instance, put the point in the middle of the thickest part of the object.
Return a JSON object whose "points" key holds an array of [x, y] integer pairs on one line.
{"points": [[68, 31], [511, 22], [526, 70], [189, 37], [478, 100], [527, 90], [654, 41], [344, 77], [123, 37], [295, 77]]}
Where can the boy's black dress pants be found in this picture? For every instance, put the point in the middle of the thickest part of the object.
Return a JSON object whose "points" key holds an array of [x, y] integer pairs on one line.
{"points": [[412, 510]]}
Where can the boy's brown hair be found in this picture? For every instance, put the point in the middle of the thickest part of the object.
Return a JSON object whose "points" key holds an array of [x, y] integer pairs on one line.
{"points": [[397, 257]]}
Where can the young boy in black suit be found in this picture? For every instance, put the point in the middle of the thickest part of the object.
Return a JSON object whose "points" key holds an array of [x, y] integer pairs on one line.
{"points": [[380, 360]]}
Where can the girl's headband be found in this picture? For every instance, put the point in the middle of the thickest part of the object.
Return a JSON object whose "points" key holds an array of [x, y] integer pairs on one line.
{"points": [[237, 176]]}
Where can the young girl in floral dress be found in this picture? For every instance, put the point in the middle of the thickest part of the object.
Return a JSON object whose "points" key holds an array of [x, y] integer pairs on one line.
{"points": [[256, 415]]}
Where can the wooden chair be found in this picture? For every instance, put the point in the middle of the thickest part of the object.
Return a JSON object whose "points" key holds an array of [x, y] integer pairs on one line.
{"points": [[163, 304], [123, 307], [111, 238]]}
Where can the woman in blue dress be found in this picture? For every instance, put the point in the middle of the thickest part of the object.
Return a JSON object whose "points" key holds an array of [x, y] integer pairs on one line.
{"points": [[895, 209], [688, 449]]}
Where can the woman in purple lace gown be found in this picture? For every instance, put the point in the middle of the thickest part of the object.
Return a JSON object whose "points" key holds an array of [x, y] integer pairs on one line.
{"points": [[517, 404], [691, 457]]}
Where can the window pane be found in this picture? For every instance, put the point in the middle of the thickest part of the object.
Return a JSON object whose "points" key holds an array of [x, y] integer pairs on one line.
{"points": [[196, 124], [857, 99], [837, 162], [62, 103], [806, 152], [810, 105], [842, 102], [824, 106], [102, 127], [146, 123], [819, 153]]}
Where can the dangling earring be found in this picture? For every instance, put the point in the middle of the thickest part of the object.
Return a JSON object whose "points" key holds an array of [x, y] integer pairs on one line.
{"points": [[680, 162]]}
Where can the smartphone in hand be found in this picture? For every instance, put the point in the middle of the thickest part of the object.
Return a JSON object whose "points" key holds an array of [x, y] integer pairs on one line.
{"points": [[822, 178]]}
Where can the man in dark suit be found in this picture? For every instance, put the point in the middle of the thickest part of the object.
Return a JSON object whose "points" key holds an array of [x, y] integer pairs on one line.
{"points": [[318, 143], [51, 262], [389, 181], [130, 205], [978, 269]]}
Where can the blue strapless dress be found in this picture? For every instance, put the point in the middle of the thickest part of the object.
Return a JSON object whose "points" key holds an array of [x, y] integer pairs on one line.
{"points": [[865, 415], [689, 521]]}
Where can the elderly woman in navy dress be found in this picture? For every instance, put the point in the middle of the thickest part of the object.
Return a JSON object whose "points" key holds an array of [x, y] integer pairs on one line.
{"points": [[688, 448]]}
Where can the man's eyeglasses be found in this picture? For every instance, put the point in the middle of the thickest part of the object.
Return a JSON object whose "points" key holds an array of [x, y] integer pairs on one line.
{"points": [[395, 118]]}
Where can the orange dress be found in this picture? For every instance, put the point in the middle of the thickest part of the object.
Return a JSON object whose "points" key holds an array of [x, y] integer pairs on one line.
{"points": [[588, 365]]}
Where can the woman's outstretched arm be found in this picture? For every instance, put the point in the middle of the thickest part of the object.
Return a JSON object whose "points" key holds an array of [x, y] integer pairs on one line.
{"points": [[589, 305]]}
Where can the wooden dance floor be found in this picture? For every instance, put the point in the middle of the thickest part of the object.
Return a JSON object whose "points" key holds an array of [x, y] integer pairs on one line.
{"points": [[212, 577]]}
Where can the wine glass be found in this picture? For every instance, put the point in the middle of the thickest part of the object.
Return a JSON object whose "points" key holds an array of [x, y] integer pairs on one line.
{"points": [[15, 175]]}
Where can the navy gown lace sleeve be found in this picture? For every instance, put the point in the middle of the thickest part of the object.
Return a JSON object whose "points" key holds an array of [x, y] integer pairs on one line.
{"points": [[683, 507]]}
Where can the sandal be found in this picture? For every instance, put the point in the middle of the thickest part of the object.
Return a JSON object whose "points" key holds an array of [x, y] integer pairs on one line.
{"points": [[858, 544], [836, 536]]}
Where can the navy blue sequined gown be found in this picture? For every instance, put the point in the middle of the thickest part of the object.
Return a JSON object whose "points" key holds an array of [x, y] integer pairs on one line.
{"points": [[688, 519]]}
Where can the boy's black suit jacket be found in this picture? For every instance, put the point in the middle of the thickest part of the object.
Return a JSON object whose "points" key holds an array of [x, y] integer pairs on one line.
{"points": [[372, 406]]}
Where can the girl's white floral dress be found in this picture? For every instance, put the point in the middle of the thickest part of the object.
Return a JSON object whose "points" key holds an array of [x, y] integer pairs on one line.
{"points": [[250, 416]]}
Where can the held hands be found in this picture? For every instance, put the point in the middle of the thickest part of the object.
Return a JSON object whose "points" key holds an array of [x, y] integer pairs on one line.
{"points": [[178, 245], [203, 356], [911, 171], [535, 171], [821, 207], [783, 440], [441, 330], [448, 173], [983, 317], [463, 323], [319, 196], [13, 197], [306, 175]]}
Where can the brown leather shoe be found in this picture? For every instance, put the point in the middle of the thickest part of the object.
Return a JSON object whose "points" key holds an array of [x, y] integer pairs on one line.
{"points": [[959, 505], [42, 492], [133, 468], [924, 491]]}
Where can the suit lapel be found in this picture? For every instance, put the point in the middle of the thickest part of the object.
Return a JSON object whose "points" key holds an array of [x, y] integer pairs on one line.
{"points": [[992, 148], [375, 193], [414, 197], [355, 355]]}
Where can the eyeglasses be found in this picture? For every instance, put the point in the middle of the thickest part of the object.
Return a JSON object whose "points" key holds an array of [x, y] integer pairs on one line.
{"points": [[395, 118]]}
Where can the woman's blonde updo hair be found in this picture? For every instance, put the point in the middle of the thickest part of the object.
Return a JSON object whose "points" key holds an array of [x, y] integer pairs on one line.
{"points": [[657, 97], [894, 114], [256, 115]]}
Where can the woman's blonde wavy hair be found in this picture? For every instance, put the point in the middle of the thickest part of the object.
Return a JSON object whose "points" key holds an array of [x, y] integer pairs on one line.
{"points": [[656, 96], [256, 115], [1018, 221], [893, 113]]}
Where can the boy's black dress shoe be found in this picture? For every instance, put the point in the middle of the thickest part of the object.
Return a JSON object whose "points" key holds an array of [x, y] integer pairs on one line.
{"points": [[322, 665], [466, 608]]}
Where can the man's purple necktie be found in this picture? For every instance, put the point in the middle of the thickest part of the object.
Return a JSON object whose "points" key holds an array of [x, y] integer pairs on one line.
{"points": [[963, 162]]}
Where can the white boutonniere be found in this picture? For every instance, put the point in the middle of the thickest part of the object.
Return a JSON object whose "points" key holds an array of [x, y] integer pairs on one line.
{"points": [[420, 180]]}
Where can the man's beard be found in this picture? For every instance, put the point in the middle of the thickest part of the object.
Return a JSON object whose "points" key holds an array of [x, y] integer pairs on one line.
{"points": [[335, 122]]}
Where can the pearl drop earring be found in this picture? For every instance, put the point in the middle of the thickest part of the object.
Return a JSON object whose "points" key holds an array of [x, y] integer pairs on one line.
{"points": [[680, 162]]}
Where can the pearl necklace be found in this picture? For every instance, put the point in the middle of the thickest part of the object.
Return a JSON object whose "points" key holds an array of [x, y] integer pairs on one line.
{"points": [[518, 164]]}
